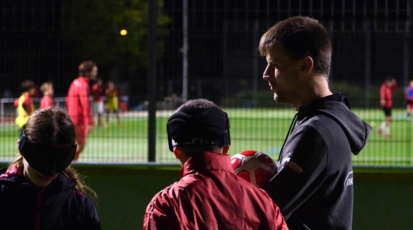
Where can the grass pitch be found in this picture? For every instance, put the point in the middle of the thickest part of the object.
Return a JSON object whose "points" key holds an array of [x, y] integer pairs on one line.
{"points": [[256, 129]]}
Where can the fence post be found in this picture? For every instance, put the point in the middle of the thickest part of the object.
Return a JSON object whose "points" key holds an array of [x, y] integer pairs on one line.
{"points": [[185, 50], [152, 81], [1, 111], [367, 65]]}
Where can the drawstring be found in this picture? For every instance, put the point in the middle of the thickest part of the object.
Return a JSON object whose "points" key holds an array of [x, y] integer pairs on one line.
{"points": [[290, 130]]}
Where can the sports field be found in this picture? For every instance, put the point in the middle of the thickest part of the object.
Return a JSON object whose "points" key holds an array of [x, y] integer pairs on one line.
{"points": [[257, 129]]}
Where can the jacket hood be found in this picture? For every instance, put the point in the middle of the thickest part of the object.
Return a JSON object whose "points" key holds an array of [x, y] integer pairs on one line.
{"points": [[337, 107]]}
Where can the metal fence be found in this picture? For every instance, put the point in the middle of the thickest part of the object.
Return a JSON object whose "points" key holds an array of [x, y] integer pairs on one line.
{"points": [[203, 49]]}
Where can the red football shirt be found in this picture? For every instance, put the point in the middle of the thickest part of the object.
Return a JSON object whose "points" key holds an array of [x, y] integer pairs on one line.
{"points": [[97, 91], [386, 94], [77, 102], [46, 102]]}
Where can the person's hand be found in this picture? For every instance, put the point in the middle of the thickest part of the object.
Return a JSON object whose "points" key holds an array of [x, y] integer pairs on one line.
{"points": [[89, 129], [382, 102]]}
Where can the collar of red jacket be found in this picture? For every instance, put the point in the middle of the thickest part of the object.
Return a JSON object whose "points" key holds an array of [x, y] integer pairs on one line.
{"points": [[84, 78], [11, 172], [207, 161]]}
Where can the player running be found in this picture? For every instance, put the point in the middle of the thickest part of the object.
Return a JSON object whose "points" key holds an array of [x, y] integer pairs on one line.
{"points": [[24, 104], [78, 105], [210, 195]]}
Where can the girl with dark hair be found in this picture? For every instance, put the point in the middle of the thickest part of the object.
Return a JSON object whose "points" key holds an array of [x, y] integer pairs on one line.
{"points": [[40, 190]]}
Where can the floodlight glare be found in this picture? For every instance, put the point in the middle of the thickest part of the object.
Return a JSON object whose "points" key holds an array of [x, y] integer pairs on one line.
{"points": [[123, 32]]}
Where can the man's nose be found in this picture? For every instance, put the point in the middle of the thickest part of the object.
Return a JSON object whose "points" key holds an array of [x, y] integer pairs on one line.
{"points": [[265, 75]]}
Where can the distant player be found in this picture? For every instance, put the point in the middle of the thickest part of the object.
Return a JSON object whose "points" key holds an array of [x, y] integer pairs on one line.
{"points": [[47, 100], [24, 104], [97, 92], [209, 195], [386, 102], [112, 102], [409, 101], [78, 105]]}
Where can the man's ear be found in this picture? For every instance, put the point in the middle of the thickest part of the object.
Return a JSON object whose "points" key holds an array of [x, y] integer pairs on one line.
{"points": [[225, 149], [307, 65], [178, 153]]}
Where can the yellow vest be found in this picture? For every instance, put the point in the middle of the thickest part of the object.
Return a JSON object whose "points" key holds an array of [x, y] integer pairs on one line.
{"points": [[23, 116]]}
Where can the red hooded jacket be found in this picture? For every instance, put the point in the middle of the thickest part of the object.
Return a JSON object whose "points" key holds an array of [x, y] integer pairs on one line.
{"points": [[77, 101], [212, 196], [386, 94]]}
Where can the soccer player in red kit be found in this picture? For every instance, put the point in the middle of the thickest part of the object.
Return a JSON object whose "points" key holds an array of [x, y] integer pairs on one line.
{"points": [[47, 100], [386, 102], [78, 104]]}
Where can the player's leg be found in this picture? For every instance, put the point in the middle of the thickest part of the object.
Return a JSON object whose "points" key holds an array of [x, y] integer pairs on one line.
{"points": [[388, 122], [115, 109], [100, 120], [100, 113], [96, 110], [382, 127], [118, 117], [107, 118], [409, 110], [80, 140]]}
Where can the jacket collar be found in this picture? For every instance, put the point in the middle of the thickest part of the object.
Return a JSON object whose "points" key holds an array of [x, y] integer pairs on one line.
{"points": [[207, 161], [83, 78], [311, 109]]}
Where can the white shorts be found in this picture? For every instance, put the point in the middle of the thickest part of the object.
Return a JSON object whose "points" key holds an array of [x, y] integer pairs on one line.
{"points": [[98, 107]]}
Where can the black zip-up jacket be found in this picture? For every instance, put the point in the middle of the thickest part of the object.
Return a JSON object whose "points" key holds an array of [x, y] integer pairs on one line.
{"points": [[59, 206], [314, 183]]}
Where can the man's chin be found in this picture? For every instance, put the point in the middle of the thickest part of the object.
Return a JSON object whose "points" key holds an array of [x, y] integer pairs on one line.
{"points": [[279, 99]]}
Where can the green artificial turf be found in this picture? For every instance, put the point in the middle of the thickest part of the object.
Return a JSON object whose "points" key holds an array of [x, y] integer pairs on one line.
{"points": [[251, 129]]}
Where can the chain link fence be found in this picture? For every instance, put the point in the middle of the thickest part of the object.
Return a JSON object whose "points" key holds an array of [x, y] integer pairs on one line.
{"points": [[204, 49]]}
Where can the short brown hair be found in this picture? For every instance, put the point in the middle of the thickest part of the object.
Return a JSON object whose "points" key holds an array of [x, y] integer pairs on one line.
{"points": [[86, 67], [389, 78], [26, 85], [46, 86], [300, 36]]}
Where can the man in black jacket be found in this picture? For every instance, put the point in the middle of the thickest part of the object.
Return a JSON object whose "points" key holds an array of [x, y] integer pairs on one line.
{"points": [[314, 183]]}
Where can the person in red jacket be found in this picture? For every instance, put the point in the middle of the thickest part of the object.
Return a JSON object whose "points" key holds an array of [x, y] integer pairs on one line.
{"points": [[47, 100], [210, 195], [78, 104], [386, 102]]}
